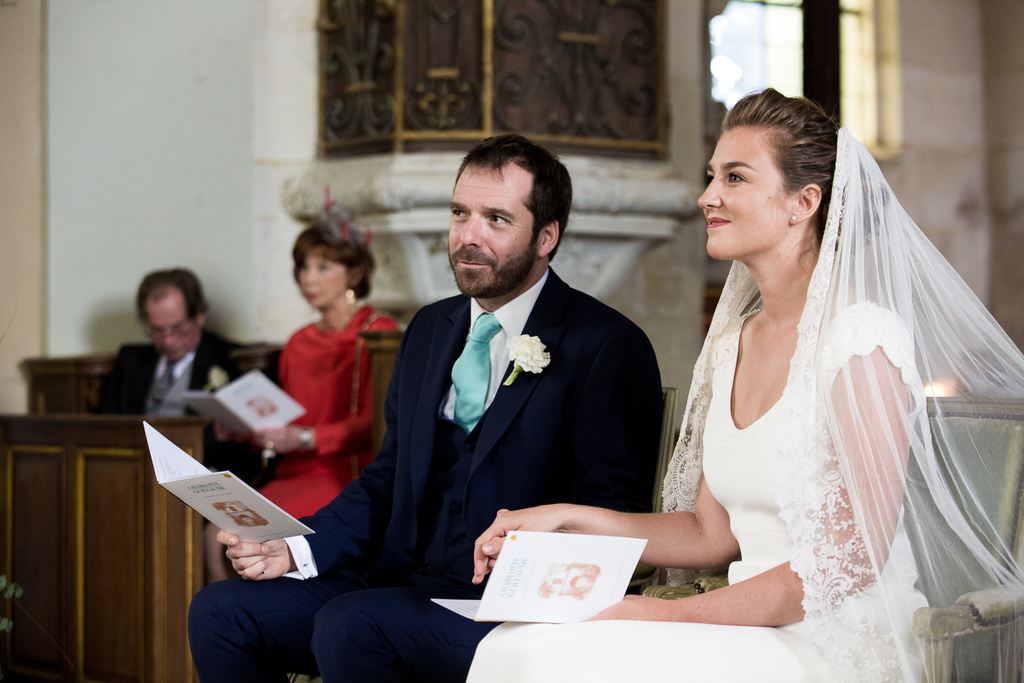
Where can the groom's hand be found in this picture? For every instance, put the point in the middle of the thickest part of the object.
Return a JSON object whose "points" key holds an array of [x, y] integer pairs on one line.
{"points": [[257, 561]]}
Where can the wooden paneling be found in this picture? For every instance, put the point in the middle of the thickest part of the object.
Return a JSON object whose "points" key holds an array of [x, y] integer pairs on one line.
{"points": [[36, 490], [108, 561], [383, 348]]}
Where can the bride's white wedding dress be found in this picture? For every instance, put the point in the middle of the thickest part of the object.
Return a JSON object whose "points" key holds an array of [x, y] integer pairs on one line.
{"points": [[819, 489], [741, 467]]}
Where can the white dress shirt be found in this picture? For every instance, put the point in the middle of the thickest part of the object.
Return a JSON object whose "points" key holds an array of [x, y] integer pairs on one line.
{"points": [[512, 317]]}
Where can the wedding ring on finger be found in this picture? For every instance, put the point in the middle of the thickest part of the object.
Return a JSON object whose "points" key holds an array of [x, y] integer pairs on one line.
{"points": [[268, 451]]}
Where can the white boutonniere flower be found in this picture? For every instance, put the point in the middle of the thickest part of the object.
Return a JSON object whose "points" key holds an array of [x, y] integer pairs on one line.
{"points": [[528, 353], [216, 378]]}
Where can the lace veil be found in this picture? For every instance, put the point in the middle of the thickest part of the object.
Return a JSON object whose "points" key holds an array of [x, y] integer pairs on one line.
{"points": [[894, 500]]}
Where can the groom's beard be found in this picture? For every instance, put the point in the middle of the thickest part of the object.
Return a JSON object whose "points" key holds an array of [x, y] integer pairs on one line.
{"points": [[499, 278]]}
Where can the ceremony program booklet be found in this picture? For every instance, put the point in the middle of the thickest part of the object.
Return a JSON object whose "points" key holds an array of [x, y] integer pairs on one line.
{"points": [[221, 497], [249, 403], [554, 578]]}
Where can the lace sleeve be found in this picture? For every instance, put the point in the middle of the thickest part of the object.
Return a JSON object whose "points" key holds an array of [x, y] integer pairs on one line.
{"points": [[872, 393]]}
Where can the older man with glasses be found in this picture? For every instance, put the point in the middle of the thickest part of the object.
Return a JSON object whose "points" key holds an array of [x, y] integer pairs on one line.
{"points": [[149, 379]]}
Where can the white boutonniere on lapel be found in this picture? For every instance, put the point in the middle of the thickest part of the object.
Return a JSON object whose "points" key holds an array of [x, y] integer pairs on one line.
{"points": [[216, 378], [529, 355]]}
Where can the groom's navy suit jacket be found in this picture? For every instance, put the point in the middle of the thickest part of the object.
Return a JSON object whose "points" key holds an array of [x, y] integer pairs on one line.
{"points": [[584, 430]]}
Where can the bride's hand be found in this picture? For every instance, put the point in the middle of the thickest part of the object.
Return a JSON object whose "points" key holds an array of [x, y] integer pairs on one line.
{"points": [[638, 608], [488, 545]]}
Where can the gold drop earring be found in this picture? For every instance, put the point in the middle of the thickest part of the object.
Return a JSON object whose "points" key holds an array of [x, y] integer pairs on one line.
{"points": [[350, 296]]}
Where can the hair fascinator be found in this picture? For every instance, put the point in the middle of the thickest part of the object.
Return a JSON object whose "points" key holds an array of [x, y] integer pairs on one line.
{"points": [[335, 223]]}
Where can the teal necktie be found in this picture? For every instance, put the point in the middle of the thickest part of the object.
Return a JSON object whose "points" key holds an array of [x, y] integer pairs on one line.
{"points": [[471, 373]]}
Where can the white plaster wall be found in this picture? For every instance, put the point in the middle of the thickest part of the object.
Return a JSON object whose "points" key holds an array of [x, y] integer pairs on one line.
{"points": [[150, 161], [21, 187]]}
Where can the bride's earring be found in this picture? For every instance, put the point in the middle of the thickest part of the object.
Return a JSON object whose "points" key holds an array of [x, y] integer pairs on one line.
{"points": [[350, 296]]}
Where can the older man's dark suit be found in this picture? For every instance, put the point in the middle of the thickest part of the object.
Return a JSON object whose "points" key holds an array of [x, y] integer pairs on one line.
{"points": [[127, 387], [585, 430]]}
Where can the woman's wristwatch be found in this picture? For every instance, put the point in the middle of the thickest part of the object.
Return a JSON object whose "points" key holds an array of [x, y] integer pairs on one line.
{"points": [[306, 439]]}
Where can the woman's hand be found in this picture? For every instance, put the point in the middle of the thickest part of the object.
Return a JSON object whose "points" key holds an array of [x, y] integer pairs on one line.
{"points": [[639, 608], [542, 518], [279, 439]]}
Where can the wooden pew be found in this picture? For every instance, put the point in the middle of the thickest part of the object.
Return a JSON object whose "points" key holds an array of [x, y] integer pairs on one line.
{"points": [[107, 558], [383, 348], [68, 384], [72, 384]]}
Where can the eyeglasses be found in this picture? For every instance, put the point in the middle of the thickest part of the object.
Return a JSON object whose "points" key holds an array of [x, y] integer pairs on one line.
{"points": [[168, 331]]}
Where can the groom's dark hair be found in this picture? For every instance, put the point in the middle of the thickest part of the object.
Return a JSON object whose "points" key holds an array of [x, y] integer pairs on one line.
{"points": [[550, 198]]}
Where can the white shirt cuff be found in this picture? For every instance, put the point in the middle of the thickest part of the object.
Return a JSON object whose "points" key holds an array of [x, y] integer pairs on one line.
{"points": [[303, 556]]}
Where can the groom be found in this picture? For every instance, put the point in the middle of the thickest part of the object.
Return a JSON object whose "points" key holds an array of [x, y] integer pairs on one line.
{"points": [[466, 437]]}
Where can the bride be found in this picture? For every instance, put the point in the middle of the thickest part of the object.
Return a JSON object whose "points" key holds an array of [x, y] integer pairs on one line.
{"points": [[807, 460]]}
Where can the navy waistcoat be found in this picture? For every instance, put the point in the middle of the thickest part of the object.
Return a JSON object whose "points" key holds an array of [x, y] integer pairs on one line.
{"points": [[443, 547]]}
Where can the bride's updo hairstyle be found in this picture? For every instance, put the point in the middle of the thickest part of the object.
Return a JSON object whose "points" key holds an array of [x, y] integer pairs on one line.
{"points": [[804, 138]]}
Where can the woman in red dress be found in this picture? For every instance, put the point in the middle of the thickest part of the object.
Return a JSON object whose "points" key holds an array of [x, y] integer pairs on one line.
{"points": [[326, 368]]}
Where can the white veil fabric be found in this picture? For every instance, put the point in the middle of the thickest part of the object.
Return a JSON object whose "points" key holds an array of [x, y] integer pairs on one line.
{"points": [[888, 507]]}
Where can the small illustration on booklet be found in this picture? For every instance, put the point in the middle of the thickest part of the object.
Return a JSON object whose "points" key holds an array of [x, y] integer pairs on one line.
{"points": [[574, 580], [241, 514], [262, 406]]}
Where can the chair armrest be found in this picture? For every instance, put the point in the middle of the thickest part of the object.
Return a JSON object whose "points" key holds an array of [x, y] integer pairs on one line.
{"points": [[975, 611], [703, 581], [671, 592], [644, 573], [995, 605]]}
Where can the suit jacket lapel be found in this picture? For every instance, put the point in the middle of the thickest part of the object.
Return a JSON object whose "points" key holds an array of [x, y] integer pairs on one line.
{"points": [[201, 365], [137, 391], [449, 338], [546, 321]]}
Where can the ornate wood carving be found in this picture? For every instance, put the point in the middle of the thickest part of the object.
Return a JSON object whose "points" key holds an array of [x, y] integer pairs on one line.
{"points": [[357, 74], [580, 75]]}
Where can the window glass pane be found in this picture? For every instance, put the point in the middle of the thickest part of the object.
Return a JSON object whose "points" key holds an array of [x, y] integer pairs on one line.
{"points": [[784, 49], [755, 45]]}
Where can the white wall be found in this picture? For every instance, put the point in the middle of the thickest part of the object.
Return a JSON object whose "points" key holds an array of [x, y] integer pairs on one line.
{"points": [[150, 161]]}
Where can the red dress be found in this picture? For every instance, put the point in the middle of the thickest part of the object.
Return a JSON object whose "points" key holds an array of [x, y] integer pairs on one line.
{"points": [[316, 369]]}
